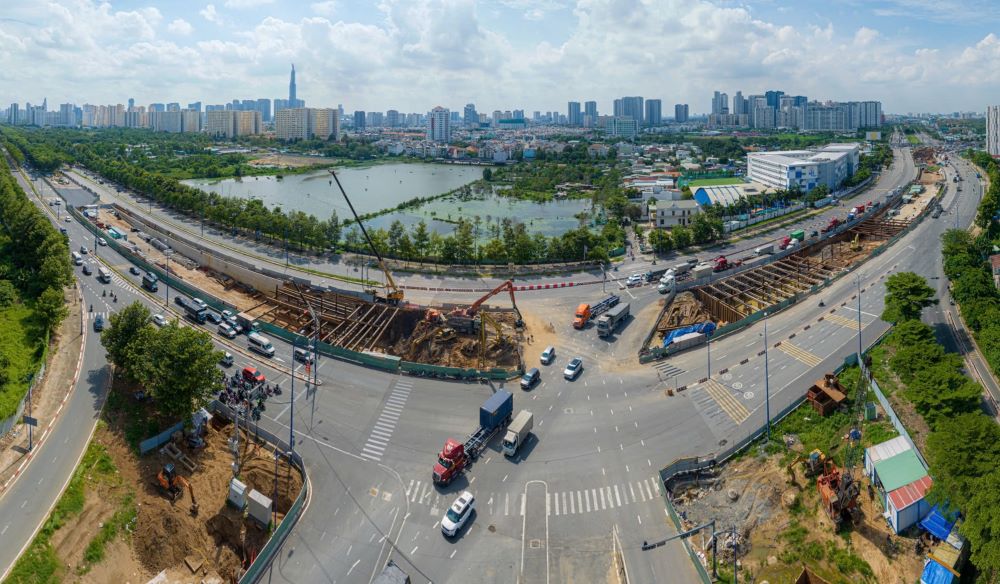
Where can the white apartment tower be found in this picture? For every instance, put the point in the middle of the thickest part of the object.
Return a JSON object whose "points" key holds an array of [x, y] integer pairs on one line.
{"points": [[439, 125], [993, 130]]}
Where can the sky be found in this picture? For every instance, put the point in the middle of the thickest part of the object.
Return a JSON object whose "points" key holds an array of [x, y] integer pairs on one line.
{"points": [[412, 55]]}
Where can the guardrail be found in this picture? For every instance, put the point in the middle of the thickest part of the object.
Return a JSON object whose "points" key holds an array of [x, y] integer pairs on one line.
{"points": [[384, 363], [7, 425]]}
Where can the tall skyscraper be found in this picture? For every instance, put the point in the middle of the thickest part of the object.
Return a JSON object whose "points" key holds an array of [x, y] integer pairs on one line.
{"points": [[681, 113], [739, 104], [359, 121], [574, 115], [993, 130], [590, 109], [439, 125], [654, 112], [392, 119], [773, 98], [131, 103], [291, 86], [469, 116], [631, 107], [720, 103]]}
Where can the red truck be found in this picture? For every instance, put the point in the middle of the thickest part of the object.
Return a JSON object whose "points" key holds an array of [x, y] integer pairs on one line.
{"points": [[833, 224], [494, 414], [721, 264]]}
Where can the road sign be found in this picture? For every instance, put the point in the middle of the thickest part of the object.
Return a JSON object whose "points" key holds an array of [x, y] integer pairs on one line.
{"points": [[30, 421]]}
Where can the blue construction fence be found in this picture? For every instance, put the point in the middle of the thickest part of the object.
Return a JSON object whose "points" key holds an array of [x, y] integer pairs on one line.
{"points": [[381, 362]]}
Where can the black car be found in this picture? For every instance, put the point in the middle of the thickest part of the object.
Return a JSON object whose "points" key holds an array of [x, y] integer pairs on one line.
{"points": [[99, 323], [213, 317], [134, 271], [86, 270], [530, 378]]}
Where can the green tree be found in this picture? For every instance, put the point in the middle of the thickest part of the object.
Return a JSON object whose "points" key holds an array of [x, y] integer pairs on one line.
{"points": [[981, 524], [682, 236], [487, 174], [906, 295], [8, 294], [396, 232], [421, 240], [51, 308], [123, 337], [660, 240], [183, 372], [332, 230], [961, 450]]}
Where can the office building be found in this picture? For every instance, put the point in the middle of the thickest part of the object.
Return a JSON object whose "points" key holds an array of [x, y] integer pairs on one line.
{"points": [[621, 126], [992, 129], [720, 103], [196, 106], [654, 112], [574, 115], [739, 104], [157, 107], [439, 125], [590, 109], [804, 170], [631, 107], [392, 119], [681, 113], [131, 103], [173, 107], [773, 98], [469, 116], [264, 107], [359, 121]]}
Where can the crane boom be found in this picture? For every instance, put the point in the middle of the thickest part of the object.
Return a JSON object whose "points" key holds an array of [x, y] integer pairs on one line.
{"points": [[396, 295]]}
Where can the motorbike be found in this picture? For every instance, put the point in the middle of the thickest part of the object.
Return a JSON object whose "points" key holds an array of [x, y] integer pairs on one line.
{"points": [[92, 308]]}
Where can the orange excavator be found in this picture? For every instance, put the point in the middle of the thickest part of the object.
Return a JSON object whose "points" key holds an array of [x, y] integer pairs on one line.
{"points": [[839, 492], [473, 310], [173, 485]]}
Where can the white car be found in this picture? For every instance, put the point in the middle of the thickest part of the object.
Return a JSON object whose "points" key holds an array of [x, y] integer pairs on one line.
{"points": [[67, 219], [199, 302], [573, 369], [159, 320], [227, 331], [458, 514], [101, 241], [634, 280]]}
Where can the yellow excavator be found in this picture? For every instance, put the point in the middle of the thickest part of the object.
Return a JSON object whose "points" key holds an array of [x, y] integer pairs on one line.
{"points": [[394, 295], [812, 465], [172, 485], [856, 244]]}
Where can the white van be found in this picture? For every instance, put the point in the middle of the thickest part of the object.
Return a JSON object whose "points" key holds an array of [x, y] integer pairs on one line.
{"points": [[259, 344], [77, 259]]}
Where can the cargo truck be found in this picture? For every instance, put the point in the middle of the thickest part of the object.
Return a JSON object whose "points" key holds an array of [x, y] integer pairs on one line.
{"points": [[764, 249], [701, 270], [494, 415], [517, 432], [247, 323], [798, 234], [609, 321], [149, 282], [192, 310], [586, 312]]}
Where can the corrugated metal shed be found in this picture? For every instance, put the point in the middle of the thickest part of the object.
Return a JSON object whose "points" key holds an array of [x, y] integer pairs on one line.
{"points": [[902, 469], [880, 452], [909, 494]]}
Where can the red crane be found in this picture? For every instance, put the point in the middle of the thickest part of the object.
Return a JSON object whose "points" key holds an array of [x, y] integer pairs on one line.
{"points": [[473, 309]]}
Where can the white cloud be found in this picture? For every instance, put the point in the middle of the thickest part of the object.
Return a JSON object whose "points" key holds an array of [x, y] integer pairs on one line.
{"points": [[327, 8], [209, 14], [247, 3], [865, 36], [180, 27]]}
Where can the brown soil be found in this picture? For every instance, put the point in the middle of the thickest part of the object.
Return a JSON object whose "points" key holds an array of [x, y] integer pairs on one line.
{"points": [[427, 343], [286, 160], [684, 310], [119, 565], [64, 353], [761, 512]]}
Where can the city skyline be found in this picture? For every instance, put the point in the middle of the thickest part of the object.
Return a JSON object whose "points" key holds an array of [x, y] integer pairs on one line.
{"points": [[533, 55]]}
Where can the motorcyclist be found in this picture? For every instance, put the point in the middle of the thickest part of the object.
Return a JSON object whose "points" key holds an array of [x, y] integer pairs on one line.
{"points": [[92, 308]]}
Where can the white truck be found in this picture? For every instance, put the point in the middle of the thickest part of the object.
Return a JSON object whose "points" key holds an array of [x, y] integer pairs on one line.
{"points": [[701, 270], [517, 432], [764, 249]]}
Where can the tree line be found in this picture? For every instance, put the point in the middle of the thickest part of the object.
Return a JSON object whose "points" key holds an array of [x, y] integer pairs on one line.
{"points": [[36, 257], [989, 206]]}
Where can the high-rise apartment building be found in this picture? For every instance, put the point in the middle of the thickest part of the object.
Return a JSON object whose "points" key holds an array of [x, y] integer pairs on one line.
{"points": [[574, 114], [439, 125], [67, 115], [773, 98], [359, 121], [307, 123], [264, 107], [739, 104], [469, 116], [590, 109], [654, 112], [720, 103], [392, 119], [190, 121], [631, 107], [229, 124], [681, 113], [168, 121], [993, 130], [196, 106]]}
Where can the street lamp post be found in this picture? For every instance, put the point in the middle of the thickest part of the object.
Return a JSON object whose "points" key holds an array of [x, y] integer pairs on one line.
{"points": [[709, 345], [767, 387], [858, 280]]}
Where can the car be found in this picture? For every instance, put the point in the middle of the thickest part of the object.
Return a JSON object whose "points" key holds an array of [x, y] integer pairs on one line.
{"points": [[86, 270], [179, 300], [548, 355], [303, 355], [134, 271], [573, 369], [252, 375], [458, 514], [227, 359], [99, 323], [634, 280], [530, 378], [693, 261], [101, 241], [159, 320], [83, 249], [63, 231], [67, 219], [199, 302], [213, 317], [227, 331], [814, 233], [228, 314]]}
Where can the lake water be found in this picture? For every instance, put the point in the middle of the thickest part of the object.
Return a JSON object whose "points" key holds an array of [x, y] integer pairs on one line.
{"points": [[370, 189], [387, 185]]}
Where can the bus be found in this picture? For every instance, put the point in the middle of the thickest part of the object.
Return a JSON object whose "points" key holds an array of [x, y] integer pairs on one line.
{"points": [[259, 344], [104, 275], [77, 259]]}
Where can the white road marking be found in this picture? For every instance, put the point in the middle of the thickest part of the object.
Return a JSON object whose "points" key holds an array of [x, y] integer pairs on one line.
{"points": [[632, 491], [618, 497]]}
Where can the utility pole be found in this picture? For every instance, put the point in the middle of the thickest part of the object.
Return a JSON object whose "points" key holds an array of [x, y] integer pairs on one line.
{"points": [[860, 351], [708, 335]]}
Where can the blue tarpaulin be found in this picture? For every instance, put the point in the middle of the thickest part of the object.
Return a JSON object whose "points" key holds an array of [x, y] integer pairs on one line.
{"points": [[937, 523], [935, 573], [705, 328]]}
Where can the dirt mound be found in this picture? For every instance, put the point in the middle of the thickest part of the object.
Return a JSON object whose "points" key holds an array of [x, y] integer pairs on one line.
{"points": [[684, 310], [438, 344]]}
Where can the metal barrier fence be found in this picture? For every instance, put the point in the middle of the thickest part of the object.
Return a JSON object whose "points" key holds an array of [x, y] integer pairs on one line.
{"points": [[386, 363], [891, 413], [160, 439], [8, 424]]}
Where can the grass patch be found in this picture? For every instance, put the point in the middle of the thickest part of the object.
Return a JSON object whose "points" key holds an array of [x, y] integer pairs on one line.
{"points": [[40, 564], [136, 419], [815, 431], [22, 344], [705, 182], [912, 139], [109, 531]]}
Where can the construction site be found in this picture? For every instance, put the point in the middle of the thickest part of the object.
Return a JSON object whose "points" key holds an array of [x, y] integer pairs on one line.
{"points": [[732, 298], [378, 322], [783, 509]]}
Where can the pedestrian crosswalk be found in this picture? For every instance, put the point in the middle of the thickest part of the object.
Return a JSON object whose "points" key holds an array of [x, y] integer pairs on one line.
{"points": [[103, 314], [385, 425], [559, 503], [667, 370], [800, 354]]}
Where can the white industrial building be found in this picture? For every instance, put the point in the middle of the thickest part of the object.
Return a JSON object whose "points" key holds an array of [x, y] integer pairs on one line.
{"points": [[993, 130], [804, 169]]}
